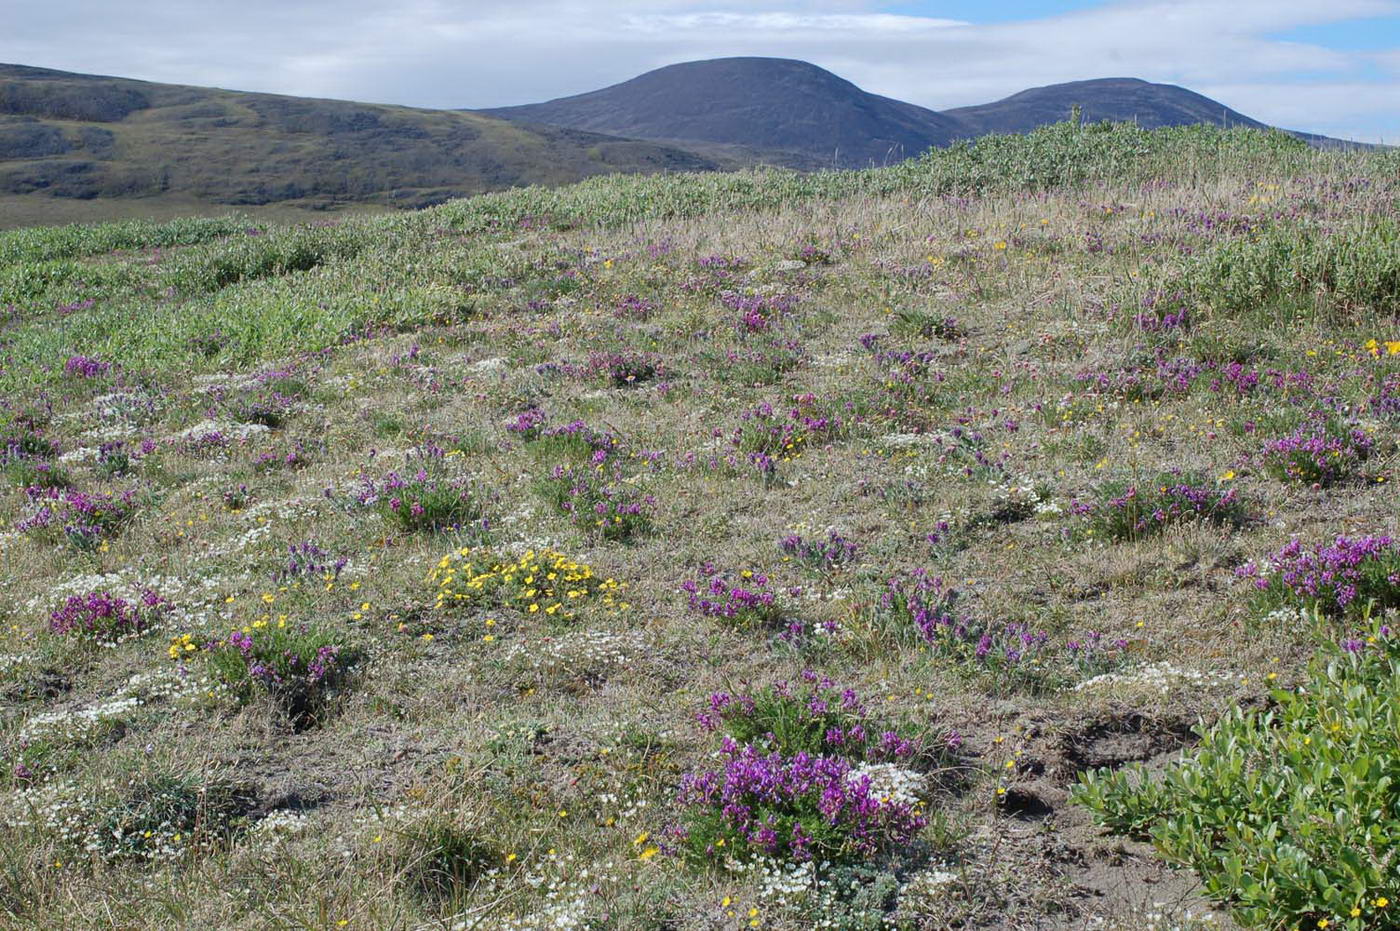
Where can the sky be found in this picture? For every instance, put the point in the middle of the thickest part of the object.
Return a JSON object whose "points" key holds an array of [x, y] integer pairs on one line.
{"points": [[1327, 66]]}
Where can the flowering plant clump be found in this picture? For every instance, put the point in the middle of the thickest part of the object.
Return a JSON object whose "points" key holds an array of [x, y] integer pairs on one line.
{"points": [[918, 605], [636, 308], [545, 582], [527, 424], [758, 362], [106, 618], [609, 507], [1386, 401], [84, 519], [86, 367], [758, 312], [910, 375], [800, 806], [784, 435], [575, 439], [1317, 454], [113, 458], [307, 560], [816, 716], [1348, 575], [298, 666], [824, 556], [806, 774], [626, 369], [750, 602], [425, 498], [25, 455], [1014, 654], [1132, 511]]}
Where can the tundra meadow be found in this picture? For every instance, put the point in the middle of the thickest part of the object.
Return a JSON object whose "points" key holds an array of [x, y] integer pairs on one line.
{"points": [[1002, 539]]}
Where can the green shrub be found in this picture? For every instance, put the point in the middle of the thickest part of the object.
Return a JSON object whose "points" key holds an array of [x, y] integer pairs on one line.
{"points": [[1290, 815], [1304, 270]]}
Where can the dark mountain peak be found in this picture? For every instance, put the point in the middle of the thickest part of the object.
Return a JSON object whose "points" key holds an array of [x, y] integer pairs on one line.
{"points": [[774, 104], [1119, 99]]}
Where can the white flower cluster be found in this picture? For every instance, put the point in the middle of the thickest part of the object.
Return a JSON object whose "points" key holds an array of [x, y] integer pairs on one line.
{"points": [[927, 894], [1160, 677], [782, 884], [128, 407], [630, 806], [239, 432], [170, 685], [78, 817], [890, 783], [76, 726], [79, 455], [1284, 618], [14, 664], [280, 825], [582, 654], [568, 894]]}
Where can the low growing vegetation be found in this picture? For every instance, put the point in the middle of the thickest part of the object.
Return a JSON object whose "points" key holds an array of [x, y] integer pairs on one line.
{"points": [[999, 539]]}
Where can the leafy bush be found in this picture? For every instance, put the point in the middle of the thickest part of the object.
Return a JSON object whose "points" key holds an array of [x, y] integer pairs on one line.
{"points": [[1289, 815], [1304, 268], [262, 255]]}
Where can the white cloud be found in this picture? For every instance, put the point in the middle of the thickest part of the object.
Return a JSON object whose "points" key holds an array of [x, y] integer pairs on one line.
{"points": [[455, 53]]}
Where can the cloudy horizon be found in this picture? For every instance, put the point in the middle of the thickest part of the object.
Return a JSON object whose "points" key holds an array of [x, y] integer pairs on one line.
{"points": [[1332, 69]]}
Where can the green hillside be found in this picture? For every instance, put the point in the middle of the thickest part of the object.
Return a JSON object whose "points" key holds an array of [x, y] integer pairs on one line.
{"points": [[118, 145], [847, 550]]}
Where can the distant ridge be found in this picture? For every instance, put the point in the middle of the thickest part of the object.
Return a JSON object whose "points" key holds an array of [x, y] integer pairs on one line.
{"points": [[83, 137], [77, 147], [803, 110], [775, 105]]}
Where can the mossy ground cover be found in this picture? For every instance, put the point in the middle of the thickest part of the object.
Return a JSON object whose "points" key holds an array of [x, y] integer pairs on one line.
{"points": [[760, 550]]}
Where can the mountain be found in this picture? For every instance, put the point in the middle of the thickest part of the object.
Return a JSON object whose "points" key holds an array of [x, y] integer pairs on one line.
{"points": [[790, 109], [1116, 99], [83, 137]]}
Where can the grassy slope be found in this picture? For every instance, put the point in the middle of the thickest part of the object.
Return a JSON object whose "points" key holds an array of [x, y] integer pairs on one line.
{"points": [[252, 149], [561, 744]]}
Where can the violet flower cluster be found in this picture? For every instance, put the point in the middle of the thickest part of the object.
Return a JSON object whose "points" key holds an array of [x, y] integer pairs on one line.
{"points": [[85, 518], [798, 806], [1314, 454], [1338, 578], [105, 617]]}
